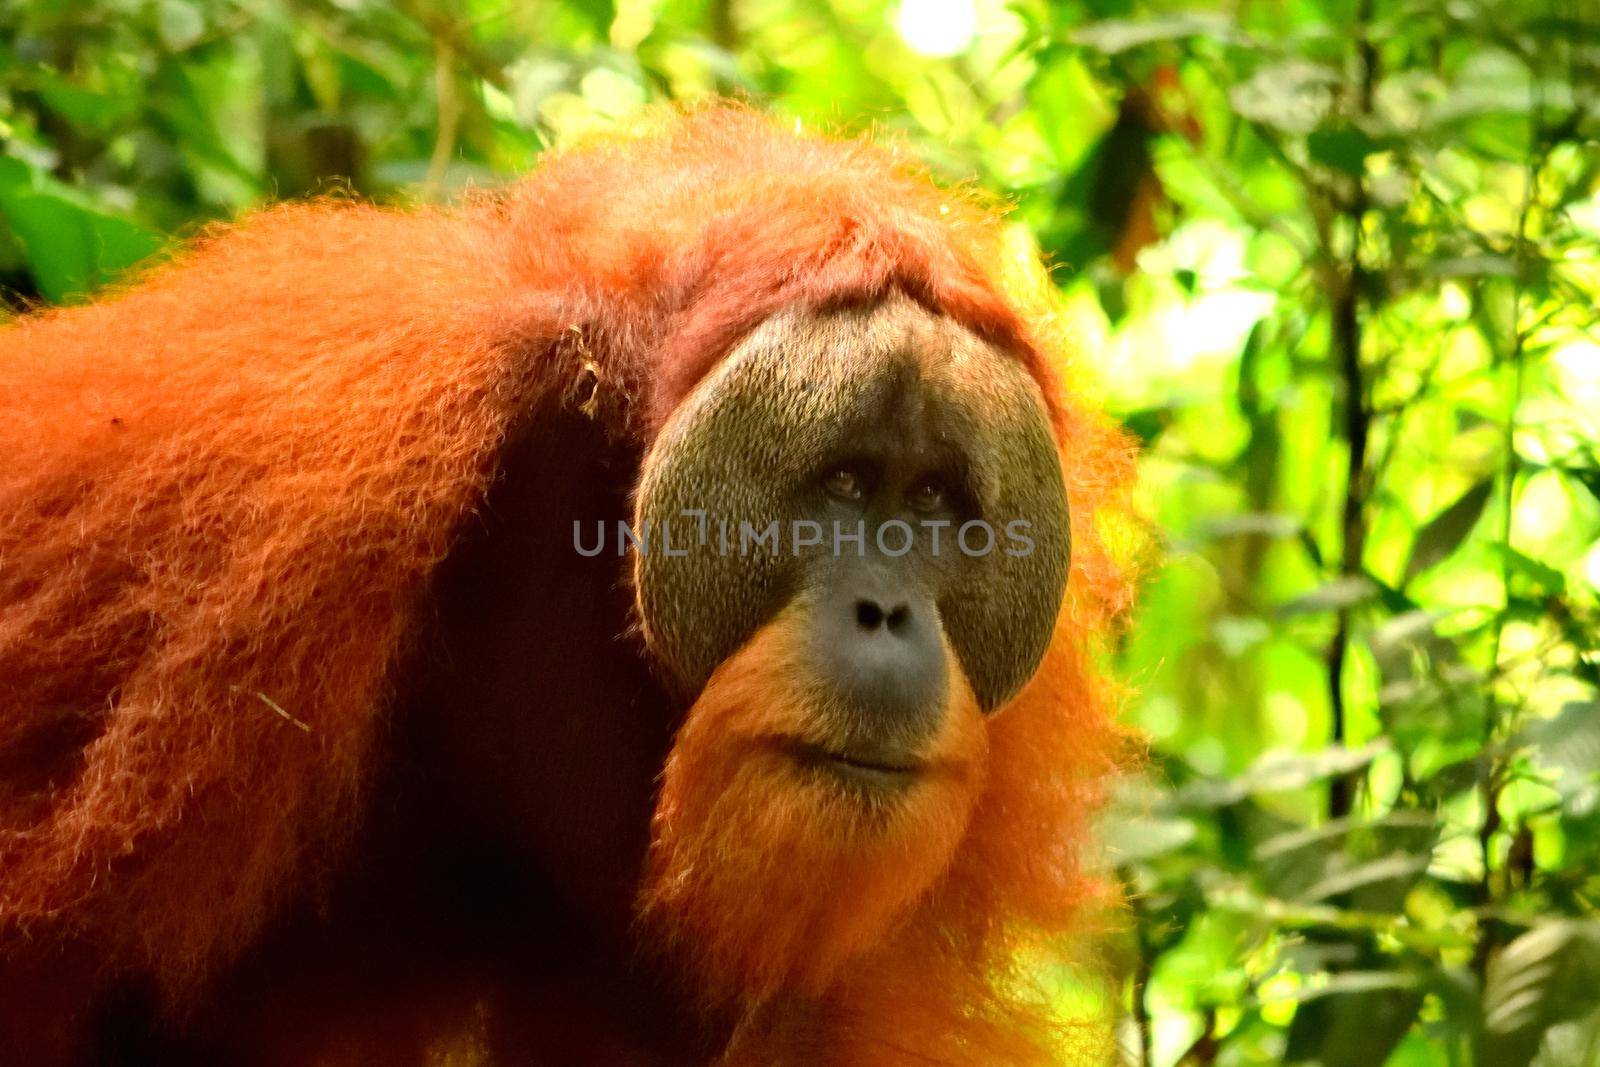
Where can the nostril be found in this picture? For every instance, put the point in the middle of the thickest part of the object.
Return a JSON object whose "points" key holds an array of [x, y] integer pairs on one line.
{"points": [[882, 655]]}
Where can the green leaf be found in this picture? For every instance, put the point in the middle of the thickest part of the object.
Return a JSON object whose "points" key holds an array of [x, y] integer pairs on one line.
{"points": [[1444, 532], [94, 110], [599, 13], [1574, 30], [1342, 148], [1298, 864], [1293, 841], [15, 175], [1545, 977], [1254, 523], [1544, 578], [1345, 983], [1336, 595], [1573, 1044], [1308, 541], [71, 249], [1485, 265], [1293, 96], [1117, 35], [1356, 1022], [1277, 772], [1588, 477], [1568, 744], [1147, 424], [1453, 777], [1400, 867], [1132, 838], [179, 23]]}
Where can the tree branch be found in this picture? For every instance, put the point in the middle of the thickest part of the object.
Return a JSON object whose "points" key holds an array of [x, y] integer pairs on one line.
{"points": [[1346, 338]]}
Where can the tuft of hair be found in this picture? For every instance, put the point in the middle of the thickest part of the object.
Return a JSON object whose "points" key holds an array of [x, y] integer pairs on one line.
{"points": [[227, 485]]}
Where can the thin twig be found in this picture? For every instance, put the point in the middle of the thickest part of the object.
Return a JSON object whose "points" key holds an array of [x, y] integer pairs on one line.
{"points": [[1346, 327], [448, 121], [275, 706], [1493, 782]]}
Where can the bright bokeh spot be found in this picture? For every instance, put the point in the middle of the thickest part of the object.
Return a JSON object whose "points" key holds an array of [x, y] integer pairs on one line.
{"points": [[1543, 512], [1591, 566], [1175, 344], [938, 27], [1280, 997], [1577, 367]]}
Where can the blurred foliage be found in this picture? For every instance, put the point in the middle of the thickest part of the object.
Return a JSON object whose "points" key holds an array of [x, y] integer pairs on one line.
{"points": [[1339, 261]]}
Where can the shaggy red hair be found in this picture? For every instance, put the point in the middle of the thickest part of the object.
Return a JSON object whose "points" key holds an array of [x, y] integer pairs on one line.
{"points": [[225, 490], [772, 882]]}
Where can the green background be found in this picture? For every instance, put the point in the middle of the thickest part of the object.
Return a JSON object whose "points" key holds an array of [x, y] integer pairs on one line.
{"points": [[1338, 262]]}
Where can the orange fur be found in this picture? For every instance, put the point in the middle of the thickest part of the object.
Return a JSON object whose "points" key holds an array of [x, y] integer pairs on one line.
{"points": [[962, 983], [226, 488], [769, 878], [917, 936], [223, 495]]}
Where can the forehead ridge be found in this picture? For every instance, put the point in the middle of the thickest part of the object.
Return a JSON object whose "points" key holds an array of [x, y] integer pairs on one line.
{"points": [[835, 345]]}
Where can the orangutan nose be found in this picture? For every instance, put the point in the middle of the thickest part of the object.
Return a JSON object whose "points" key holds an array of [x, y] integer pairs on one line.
{"points": [[878, 648]]}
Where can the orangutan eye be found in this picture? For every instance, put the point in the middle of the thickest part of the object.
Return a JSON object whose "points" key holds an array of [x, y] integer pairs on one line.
{"points": [[926, 495], [844, 484]]}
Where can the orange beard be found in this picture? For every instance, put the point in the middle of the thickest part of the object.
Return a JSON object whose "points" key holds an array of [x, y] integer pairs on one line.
{"points": [[767, 876]]}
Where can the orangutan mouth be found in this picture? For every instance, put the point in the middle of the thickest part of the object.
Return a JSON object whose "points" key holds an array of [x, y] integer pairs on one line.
{"points": [[878, 766]]}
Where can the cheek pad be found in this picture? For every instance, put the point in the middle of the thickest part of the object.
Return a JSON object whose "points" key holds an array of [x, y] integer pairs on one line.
{"points": [[736, 451], [1001, 610], [730, 460]]}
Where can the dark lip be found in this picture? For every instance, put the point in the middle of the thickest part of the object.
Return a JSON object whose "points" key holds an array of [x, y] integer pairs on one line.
{"points": [[878, 768]]}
